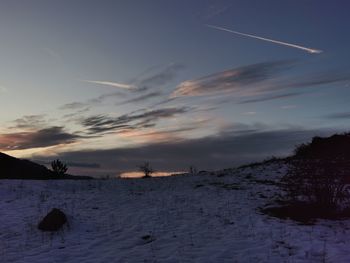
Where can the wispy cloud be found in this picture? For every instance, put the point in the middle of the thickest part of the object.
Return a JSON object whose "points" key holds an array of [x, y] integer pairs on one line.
{"points": [[339, 116], [233, 80], [288, 107], [257, 83], [30, 122], [317, 79], [111, 84], [73, 106], [249, 113], [309, 50], [148, 81], [268, 98], [215, 10], [51, 136], [145, 82], [160, 78], [142, 98], [84, 106], [158, 136], [100, 124]]}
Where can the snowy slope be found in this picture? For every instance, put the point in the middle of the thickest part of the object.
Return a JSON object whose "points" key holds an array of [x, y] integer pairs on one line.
{"points": [[206, 218]]}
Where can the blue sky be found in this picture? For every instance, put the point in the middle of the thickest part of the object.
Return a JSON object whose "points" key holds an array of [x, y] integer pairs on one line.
{"points": [[96, 82]]}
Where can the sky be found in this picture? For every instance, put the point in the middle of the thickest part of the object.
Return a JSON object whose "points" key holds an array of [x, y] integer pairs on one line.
{"points": [[108, 85]]}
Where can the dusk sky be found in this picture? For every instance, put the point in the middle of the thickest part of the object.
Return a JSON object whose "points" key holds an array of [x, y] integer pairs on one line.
{"points": [[108, 85]]}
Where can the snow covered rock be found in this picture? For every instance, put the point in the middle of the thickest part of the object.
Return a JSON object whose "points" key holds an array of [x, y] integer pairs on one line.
{"points": [[53, 221]]}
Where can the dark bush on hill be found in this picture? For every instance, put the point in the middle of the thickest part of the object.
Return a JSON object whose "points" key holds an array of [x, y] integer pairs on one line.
{"points": [[318, 176], [59, 168], [336, 147]]}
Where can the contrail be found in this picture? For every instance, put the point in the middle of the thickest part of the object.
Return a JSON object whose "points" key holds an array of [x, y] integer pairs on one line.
{"points": [[110, 83], [310, 50]]}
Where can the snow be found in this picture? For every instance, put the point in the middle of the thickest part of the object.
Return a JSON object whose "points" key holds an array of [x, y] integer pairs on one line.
{"points": [[204, 218]]}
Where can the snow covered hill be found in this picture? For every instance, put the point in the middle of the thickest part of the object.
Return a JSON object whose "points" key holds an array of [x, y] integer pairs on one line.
{"points": [[211, 217]]}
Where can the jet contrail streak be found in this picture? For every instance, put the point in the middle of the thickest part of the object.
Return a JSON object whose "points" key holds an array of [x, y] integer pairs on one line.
{"points": [[310, 50], [110, 83]]}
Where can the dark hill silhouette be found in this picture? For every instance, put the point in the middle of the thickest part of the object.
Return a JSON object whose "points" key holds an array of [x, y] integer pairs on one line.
{"points": [[335, 147], [13, 168]]}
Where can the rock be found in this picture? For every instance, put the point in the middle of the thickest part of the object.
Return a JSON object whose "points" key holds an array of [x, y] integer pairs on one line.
{"points": [[53, 221]]}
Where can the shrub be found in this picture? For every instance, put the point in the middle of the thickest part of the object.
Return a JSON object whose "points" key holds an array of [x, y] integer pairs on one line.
{"points": [[319, 182], [58, 167], [319, 172]]}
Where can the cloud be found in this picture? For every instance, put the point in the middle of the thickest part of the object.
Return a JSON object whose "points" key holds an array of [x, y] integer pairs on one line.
{"points": [[233, 80], [317, 79], [168, 134], [249, 113], [34, 139], [215, 9], [139, 84], [105, 96], [103, 123], [142, 98], [160, 78], [84, 106], [75, 115], [271, 97], [288, 107], [213, 152], [73, 164], [30, 122], [111, 84], [339, 116], [73, 106], [143, 83], [257, 83]]}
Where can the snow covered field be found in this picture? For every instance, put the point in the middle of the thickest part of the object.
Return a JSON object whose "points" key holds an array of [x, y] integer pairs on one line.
{"points": [[203, 218]]}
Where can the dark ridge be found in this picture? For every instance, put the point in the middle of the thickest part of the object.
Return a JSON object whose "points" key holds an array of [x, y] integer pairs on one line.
{"points": [[336, 147], [265, 162], [13, 168]]}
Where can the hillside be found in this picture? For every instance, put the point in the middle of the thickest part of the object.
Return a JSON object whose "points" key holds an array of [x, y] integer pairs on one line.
{"points": [[212, 217], [14, 168], [208, 217], [333, 147]]}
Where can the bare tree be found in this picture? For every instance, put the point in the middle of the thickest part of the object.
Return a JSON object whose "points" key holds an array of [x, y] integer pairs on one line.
{"points": [[193, 170], [146, 169]]}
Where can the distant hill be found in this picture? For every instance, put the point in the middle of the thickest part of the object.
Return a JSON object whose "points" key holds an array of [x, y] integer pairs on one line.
{"points": [[14, 168]]}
